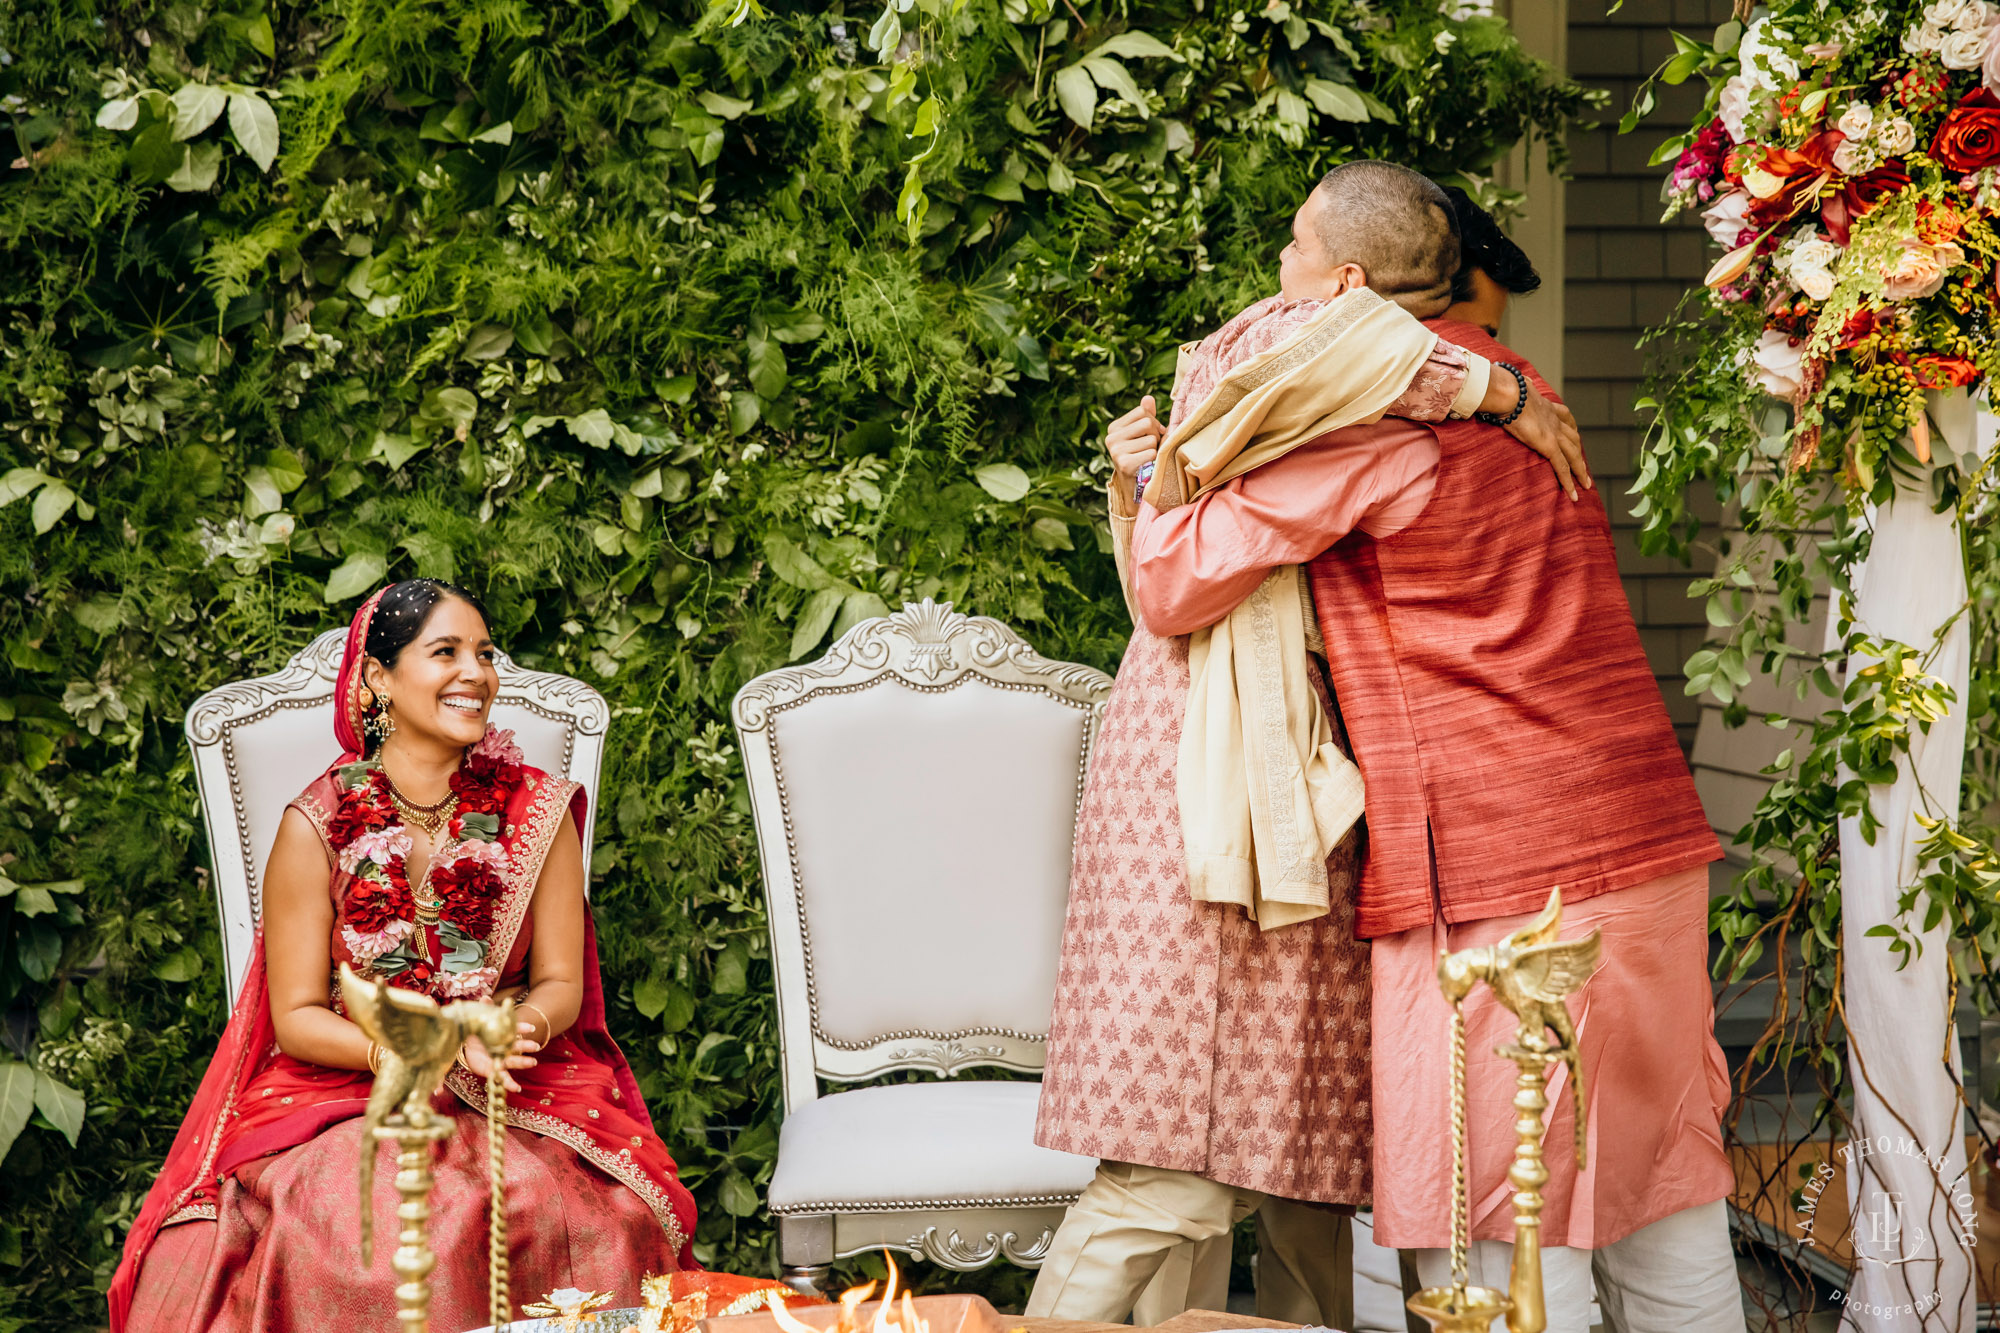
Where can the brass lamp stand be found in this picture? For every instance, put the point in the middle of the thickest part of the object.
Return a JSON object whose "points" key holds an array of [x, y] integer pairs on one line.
{"points": [[1530, 973], [419, 1042]]}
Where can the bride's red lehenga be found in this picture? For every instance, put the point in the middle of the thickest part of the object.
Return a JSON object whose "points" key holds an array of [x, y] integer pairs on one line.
{"points": [[253, 1223]]}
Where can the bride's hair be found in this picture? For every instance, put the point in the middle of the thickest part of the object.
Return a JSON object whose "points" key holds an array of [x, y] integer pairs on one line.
{"points": [[401, 614]]}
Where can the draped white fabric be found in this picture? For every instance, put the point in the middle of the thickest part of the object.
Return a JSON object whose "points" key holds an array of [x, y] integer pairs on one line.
{"points": [[1915, 1272]]}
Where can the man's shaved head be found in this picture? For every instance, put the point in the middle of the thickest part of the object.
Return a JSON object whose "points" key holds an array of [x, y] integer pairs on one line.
{"points": [[1397, 225]]}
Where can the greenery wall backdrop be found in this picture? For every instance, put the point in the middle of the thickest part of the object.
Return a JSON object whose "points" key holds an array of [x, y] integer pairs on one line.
{"points": [[688, 337]]}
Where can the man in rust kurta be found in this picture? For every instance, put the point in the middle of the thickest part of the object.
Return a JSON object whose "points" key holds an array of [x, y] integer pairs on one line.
{"points": [[1512, 738], [1213, 1066]]}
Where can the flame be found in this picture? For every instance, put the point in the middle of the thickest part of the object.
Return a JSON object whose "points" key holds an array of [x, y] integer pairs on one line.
{"points": [[887, 1318]]}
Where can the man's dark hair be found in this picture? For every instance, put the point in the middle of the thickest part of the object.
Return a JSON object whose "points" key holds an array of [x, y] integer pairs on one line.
{"points": [[1397, 225], [1482, 245]]}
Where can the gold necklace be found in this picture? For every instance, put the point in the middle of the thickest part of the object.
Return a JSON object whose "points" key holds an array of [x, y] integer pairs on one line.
{"points": [[430, 818]]}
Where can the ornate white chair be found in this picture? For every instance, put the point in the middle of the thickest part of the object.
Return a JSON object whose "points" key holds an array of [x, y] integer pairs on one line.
{"points": [[258, 742], [916, 794]]}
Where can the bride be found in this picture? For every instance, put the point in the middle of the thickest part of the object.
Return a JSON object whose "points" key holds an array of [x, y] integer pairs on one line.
{"points": [[431, 856]]}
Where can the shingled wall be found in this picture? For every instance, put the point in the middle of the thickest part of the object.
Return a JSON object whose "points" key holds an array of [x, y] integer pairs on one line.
{"points": [[1625, 271]]}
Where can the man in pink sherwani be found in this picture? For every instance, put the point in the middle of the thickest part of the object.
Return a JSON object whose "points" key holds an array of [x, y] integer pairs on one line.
{"points": [[1215, 1068], [1512, 738]]}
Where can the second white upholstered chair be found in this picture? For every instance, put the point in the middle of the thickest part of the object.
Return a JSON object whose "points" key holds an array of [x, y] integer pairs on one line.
{"points": [[916, 795]]}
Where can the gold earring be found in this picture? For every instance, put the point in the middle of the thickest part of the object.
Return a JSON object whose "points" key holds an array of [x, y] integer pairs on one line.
{"points": [[380, 725]]}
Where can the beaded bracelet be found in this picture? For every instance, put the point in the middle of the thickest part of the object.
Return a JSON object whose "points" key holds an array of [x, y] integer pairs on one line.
{"points": [[1520, 402]]}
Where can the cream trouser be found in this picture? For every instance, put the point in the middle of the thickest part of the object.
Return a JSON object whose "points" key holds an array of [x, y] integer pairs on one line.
{"points": [[1158, 1240], [1676, 1276]]}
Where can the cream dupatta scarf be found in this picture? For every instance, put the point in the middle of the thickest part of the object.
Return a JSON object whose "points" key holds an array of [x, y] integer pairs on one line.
{"points": [[1265, 793]]}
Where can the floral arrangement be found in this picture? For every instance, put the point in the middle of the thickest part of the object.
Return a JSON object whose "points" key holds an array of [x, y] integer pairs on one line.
{"points": [[379, 919], [1848, 161]]}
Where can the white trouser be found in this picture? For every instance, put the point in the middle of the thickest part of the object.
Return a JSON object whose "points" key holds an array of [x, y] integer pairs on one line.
{"points": [[1160, 1239], [1676, 1276]]}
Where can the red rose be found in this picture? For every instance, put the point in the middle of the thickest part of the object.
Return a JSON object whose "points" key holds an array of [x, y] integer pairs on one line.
{"points": [[1969, 138], [354, 818], [370, 906]]}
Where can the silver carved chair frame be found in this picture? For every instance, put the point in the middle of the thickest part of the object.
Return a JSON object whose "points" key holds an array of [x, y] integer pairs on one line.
{"points": [[257, 743], [916, 793]]}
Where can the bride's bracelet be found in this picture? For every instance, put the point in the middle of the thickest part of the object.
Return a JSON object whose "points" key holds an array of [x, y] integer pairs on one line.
{"points": [[548, 1024]]}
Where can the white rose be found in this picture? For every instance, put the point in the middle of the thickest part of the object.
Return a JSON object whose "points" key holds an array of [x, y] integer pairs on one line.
{"points": [[1815, 253], [1921, 39], [1976, 15], [1734, 106], [1763, 62], [1814, 282], [1852, 159], [1776, 364], [1942, 14], [1857, 120], [1963, 50], [1724, 218], [1896, 136]]}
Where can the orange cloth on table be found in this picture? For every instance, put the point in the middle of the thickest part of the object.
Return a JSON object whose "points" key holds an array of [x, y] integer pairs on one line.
{"points": [[1656, 1079]]}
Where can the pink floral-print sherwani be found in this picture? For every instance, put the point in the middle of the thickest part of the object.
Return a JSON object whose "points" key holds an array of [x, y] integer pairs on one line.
{"points": [[1184, 1037]]}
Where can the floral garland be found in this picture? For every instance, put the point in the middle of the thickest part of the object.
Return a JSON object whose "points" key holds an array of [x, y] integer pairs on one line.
{"points": [[1849, 163], [380, 922]]}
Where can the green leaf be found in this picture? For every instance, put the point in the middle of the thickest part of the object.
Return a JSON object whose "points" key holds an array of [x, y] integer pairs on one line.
{"points": [[1134, 43], [183, 965], [1115, 78], [17, 1102], [357, 574], [487, 341], [815, 619], [1336, 100], [737, 1195], [793, 565], [1681, 66], [858, 606], [650, 995], [732, 969], [198, 168], [255, 127], [120, 113], [196, 106], [1051, 534], [729, 108], [61, 1104], [1003, 481], [912, 203], [767, 367], [21, 481], [53, 502], [1077, 94]]}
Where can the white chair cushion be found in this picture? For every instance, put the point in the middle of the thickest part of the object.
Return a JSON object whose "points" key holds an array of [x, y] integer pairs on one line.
{"points": [[921, 1146]]}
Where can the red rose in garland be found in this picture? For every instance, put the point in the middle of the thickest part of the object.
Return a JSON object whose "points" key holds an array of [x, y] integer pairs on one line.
{"points": [[1969, 138]]}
